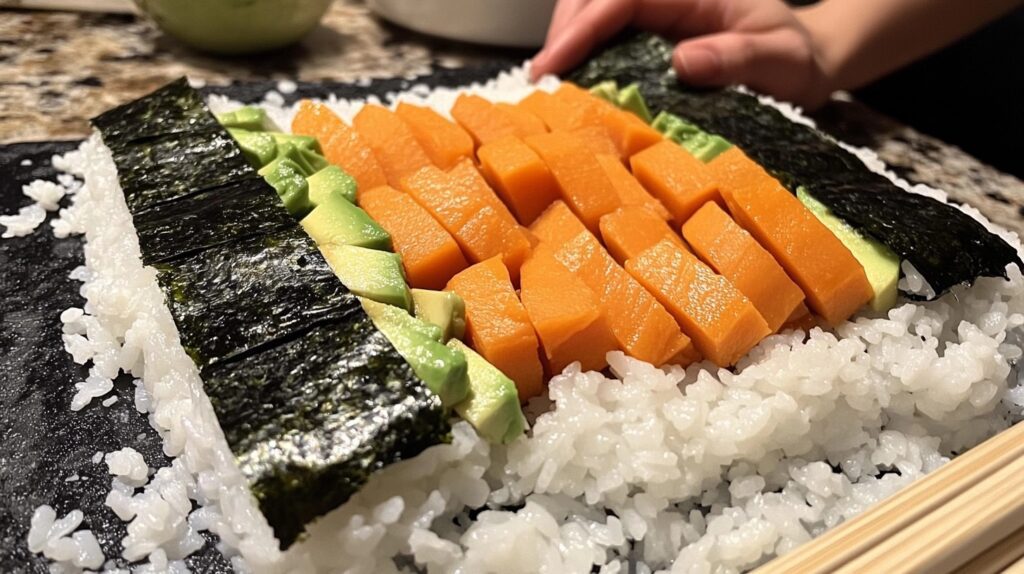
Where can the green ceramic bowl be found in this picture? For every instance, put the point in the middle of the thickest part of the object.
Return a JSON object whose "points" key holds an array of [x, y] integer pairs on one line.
{"points": [[235, 26]]}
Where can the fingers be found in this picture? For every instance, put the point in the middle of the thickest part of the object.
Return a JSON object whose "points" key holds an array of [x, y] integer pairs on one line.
{"points": [[596, 22], [681, 18], [578, 26], [564, 12], [778, 62]]}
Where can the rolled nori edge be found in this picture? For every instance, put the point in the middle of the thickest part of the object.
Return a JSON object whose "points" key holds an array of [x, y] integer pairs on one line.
{"points": [[310, 396], [947, 246]]}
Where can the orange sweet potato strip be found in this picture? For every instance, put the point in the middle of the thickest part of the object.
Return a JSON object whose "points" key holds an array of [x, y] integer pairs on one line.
{"points": [[678, 179], [497, 325], [519, 176], [525, 122], [723, 324], [800, 319], [629, 230], [444, 141], [733, 253], [590, 109], [597, 140], [630, 134], [315, 119], [392, 142], [341, 144], [642, 327], [429, 253], [467, 208], [831, 278], [582, 181], [629, 190], [566, 315], [482, 120], [556, 113]]}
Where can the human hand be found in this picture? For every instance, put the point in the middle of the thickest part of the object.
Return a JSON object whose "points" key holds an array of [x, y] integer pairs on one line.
{"points": [[760, 43]]}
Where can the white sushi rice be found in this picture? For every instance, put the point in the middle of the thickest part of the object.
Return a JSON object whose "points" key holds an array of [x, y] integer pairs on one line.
{"points": [[58, 540], [695, 470], [45, 196]]}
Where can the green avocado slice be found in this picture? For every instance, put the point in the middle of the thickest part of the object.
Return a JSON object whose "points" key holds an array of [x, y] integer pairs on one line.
{"points": [[249, 118], [607, 90], [336, 221], [402, 318], [331, 180], [259, 147], [631, 100], [444, 309], [701, 144], [443, 369], [370, 273], [309, 160], [308, 143], [286, 177], [492, 406]]}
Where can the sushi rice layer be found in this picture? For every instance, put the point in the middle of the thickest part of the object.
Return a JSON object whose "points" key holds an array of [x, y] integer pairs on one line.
{"points": [[676, 470]]}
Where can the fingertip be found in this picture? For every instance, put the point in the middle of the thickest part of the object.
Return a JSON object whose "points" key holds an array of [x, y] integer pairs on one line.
{"points": [[556, 56], [697, 64], [539, 66]]}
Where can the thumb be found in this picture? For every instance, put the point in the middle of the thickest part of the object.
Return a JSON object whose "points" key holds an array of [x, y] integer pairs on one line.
{"points": [[780, 63]]}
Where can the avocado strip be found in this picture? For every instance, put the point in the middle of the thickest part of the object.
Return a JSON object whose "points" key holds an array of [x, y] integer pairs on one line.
{"points": [[443, 369], [263, 317], [947, 246], [492, 406]]}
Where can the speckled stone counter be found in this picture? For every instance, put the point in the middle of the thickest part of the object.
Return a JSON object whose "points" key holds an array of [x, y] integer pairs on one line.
{"points": [[59, 69]]}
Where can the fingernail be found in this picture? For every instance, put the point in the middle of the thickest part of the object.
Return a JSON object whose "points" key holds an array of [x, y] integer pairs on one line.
{"points": [[700, 64]]}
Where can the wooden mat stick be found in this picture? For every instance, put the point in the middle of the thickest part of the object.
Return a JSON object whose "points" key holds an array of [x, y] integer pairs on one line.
{"points": [[955, 532], [851, 539], [994, 559]]}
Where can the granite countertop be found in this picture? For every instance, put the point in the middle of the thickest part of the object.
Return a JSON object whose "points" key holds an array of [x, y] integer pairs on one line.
{"points": [[59, 69]]}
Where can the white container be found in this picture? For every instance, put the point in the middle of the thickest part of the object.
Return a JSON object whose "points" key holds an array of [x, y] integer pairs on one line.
{"points": [[511, 23]]}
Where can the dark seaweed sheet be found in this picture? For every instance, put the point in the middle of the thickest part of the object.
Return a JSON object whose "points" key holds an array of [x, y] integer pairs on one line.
{"points": [[215, 217], [157, 170], [344, 394], [944, 244], [168, 146], [171, 109], [247, 295], [310, 396]]}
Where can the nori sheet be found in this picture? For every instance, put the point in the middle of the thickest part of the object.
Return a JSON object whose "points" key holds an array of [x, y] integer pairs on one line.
{"points": [[310, 396], [244, 296], [168, 146], [158, 170], [344, 394], [171, 109], [213, 217], [947, 246]]}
